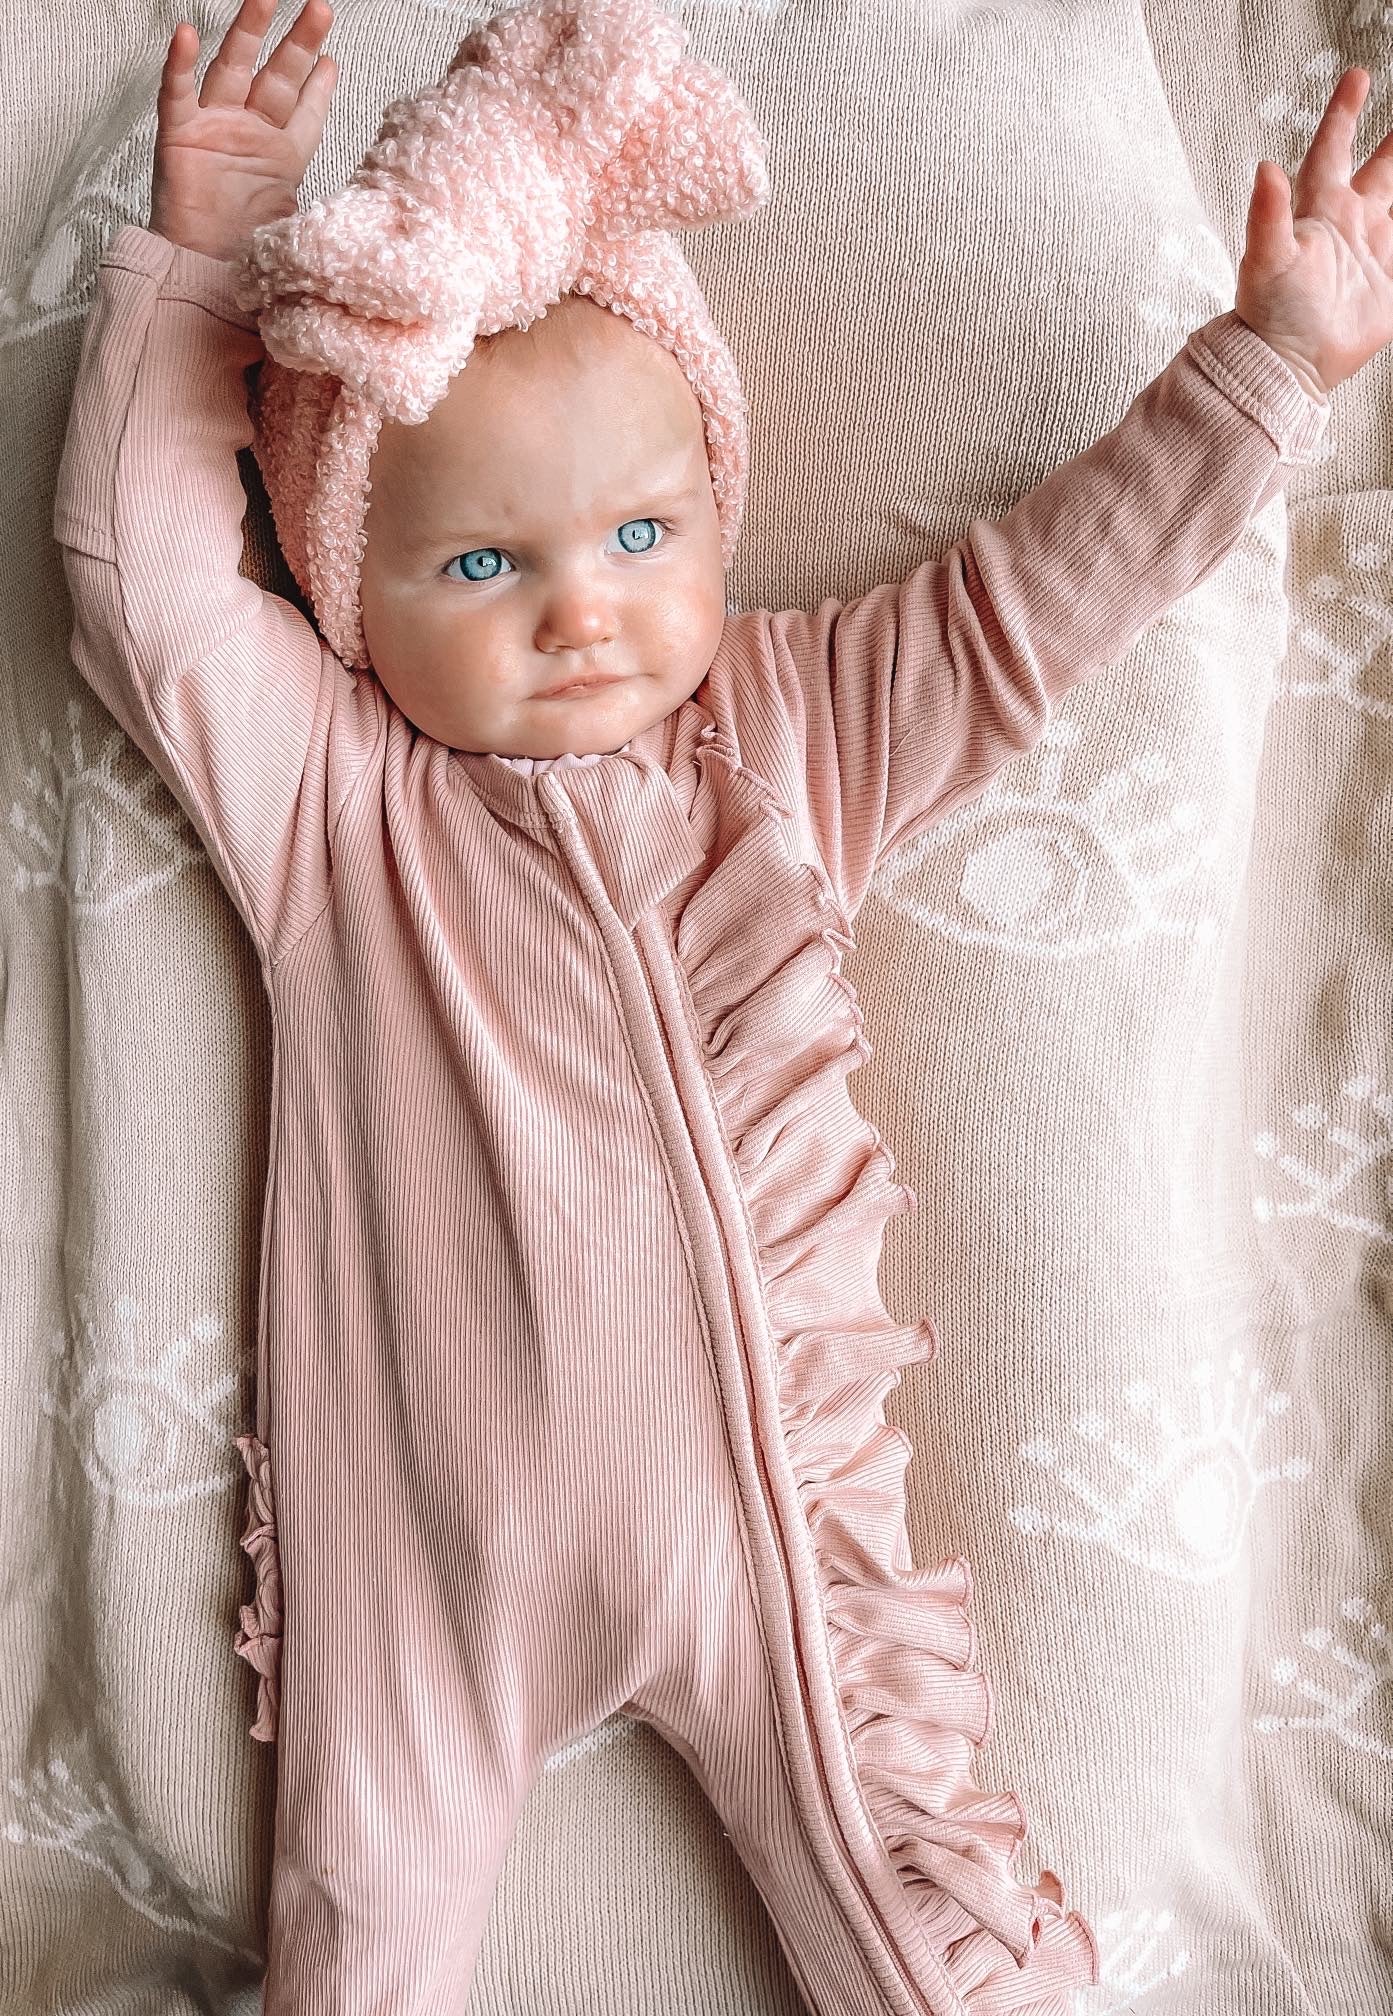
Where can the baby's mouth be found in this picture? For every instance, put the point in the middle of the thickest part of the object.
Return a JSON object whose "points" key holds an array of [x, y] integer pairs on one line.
{"points": [[589, 684]]}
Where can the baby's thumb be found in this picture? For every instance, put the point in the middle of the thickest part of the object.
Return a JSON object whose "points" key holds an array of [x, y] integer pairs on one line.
{"points": [[1270, 236]]}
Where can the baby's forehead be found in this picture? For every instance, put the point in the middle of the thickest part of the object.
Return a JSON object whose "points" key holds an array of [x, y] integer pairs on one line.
{"points": [[575, 333], [590, 376]]}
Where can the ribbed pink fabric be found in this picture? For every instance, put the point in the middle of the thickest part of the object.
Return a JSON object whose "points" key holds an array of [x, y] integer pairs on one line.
{"points": [[572, 1360]]}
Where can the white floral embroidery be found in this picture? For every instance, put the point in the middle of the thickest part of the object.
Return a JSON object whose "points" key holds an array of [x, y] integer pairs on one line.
{"points": [[1038, 871], [1331, 668], [105, 840], [112, 189], [1137, 1952], [1173, 1489], [147, 1429], [1346, 1684], [1349, 1180], [1292, 120], [54, 1811]]}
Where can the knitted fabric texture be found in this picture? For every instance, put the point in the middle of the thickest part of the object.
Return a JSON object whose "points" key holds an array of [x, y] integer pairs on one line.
{"points": [[562, 142]]}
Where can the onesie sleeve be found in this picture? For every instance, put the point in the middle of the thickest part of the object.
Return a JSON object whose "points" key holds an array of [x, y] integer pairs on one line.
{"points": [[902, 703], [254, 725]]}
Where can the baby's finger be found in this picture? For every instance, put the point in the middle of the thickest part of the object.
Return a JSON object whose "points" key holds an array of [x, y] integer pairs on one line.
{"points": [[230, 71], [1375, 178], [305, 126], [1329, 158], [177, 97], [1271, 239], [276, 87]]}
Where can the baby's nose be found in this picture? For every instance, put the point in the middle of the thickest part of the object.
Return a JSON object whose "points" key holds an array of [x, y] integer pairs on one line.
{"points": [[575, 621]]}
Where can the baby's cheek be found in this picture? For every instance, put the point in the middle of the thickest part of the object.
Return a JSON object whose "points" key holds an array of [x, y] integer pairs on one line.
{"points": [[689, 601], [698, 614]]}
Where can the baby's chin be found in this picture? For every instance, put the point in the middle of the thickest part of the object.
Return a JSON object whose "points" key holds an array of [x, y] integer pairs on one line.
{"points": [[590, 721]]}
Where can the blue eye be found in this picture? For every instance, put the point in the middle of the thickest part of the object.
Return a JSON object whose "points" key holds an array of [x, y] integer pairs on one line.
{"points": [[646, 542], [492, 562], [632, 537]]}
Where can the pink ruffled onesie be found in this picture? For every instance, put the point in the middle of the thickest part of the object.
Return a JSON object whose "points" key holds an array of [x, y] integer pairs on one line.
{"points": [[572, 1360]]}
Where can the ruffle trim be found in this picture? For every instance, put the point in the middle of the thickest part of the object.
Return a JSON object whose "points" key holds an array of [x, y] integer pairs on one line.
{"points": [[259, 1640], [782, 1031]]}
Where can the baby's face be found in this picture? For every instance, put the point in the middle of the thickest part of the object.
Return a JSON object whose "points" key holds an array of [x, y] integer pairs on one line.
{"points": [[552, 519]]}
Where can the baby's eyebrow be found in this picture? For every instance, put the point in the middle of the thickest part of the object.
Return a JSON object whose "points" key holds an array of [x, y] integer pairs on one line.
{"points": [[671, 494]]}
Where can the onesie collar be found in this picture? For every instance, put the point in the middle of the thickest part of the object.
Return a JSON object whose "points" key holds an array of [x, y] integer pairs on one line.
{"points": [[509, 787], [620, 813]]}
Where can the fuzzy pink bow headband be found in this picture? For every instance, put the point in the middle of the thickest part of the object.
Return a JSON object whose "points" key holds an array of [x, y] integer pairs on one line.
{"points": [[563, 140]]}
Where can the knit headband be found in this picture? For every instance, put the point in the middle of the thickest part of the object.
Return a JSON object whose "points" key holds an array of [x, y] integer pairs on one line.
{"points": [[562, 142]]}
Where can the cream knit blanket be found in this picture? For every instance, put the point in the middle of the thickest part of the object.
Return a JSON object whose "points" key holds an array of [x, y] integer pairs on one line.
{"points": [[1132, 1041]]}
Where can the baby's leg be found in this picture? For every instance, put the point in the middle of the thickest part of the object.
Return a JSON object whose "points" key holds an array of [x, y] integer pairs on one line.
{"points": [[432, 1662], [394, 1817], [715, 1702]]}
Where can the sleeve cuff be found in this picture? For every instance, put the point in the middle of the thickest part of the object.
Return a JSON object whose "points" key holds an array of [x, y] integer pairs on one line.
{"points": [[182, 275], [1262, 384]]}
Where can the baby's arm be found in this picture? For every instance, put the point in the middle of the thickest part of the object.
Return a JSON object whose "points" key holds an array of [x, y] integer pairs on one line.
{"points": [[225, 688], [909, 698], [253, 724], [905, 701]]}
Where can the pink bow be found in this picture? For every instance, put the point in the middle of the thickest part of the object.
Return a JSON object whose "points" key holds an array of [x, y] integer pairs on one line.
{"points": [[556, 127]]}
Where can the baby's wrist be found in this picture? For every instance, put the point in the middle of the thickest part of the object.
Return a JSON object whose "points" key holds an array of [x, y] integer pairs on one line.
{"points": [[184, 232], [1307, 376]]}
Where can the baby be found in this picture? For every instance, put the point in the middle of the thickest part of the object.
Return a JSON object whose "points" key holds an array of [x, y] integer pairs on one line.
{"points": [[571, 1358], [548, 445]]}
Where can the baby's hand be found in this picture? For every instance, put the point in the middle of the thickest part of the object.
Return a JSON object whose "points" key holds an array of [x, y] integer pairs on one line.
{"points": [[236, 156], [1319, 288]]}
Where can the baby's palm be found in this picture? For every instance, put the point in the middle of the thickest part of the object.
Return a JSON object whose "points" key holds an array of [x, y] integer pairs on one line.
{"points": [[235, 156], [1316, 279]]}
